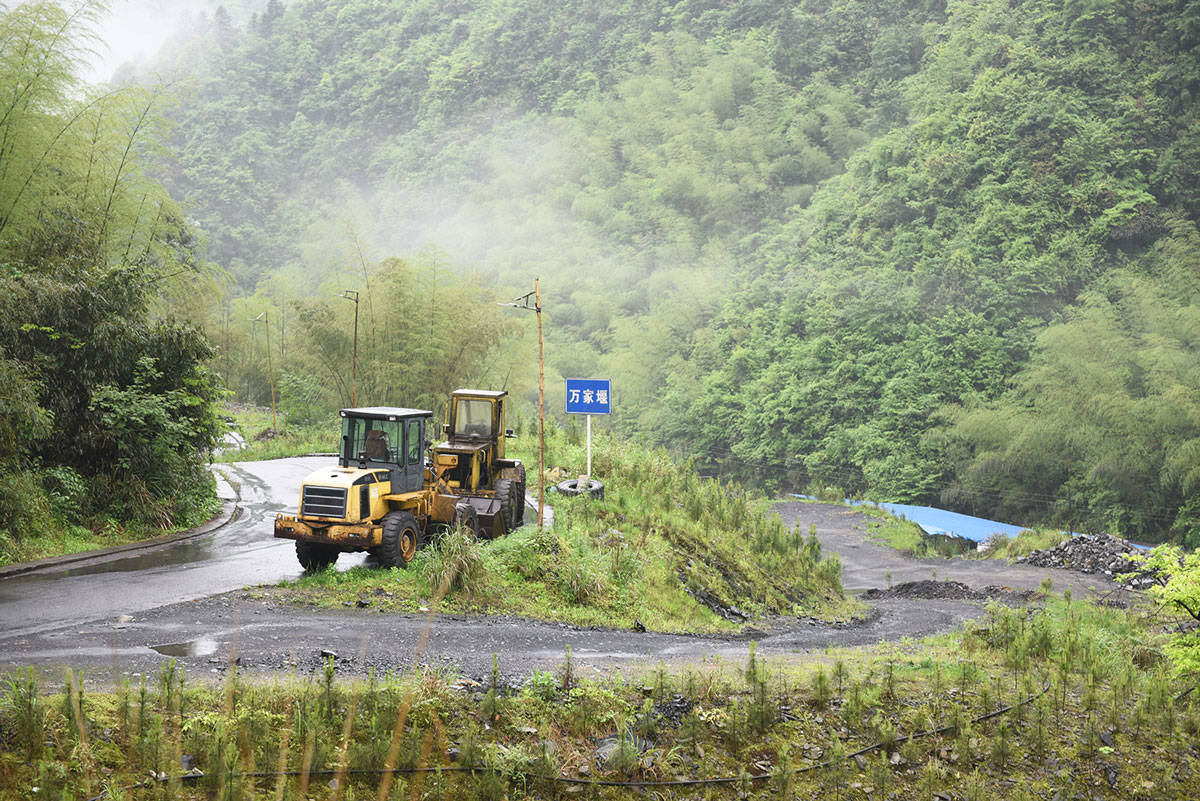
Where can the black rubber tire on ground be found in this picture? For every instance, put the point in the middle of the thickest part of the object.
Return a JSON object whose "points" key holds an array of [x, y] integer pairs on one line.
{"points": [[401, 539], [466, 516], [571, 487], [315, 556]]}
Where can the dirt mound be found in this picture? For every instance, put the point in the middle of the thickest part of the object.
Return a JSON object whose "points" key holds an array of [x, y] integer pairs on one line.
{"points": [[944, 590]]}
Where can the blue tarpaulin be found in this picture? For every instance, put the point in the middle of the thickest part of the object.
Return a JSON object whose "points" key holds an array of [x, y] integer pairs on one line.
{"points": [[953, 524], [941, 522]]}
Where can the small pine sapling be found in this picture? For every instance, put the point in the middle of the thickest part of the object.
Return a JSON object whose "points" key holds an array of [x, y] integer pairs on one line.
{"points": [[1001, 746], [839, 675], [822, 692]]}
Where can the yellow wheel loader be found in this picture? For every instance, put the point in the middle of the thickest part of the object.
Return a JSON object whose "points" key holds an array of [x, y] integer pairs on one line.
{"points": [[469, 467], [386, 495]]}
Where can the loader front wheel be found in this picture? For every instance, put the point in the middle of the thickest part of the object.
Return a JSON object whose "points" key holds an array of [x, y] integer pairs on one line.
{"points": [[467, 518], [506, 492], [401, 538], [314, 556]]}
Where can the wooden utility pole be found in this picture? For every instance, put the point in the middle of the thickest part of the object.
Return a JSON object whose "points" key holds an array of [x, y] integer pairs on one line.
{"points": [[537, 297], [523, 303], [266, 318], [350, 294]]}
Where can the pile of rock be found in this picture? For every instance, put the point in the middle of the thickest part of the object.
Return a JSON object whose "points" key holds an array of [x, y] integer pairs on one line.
{"points": [[946, 590], [1099, 553]]}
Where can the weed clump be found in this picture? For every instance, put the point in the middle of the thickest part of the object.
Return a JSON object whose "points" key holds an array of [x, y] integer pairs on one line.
{"points": [[455, 565]]}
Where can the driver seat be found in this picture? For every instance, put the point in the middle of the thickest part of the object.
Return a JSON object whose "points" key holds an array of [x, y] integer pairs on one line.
{"points": [[377, 445]]}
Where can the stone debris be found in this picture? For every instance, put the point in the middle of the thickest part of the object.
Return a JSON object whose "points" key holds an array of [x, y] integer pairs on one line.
{"points": [[1087, 553]]}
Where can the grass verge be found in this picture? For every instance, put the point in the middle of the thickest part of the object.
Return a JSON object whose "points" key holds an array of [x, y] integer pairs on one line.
{"points": [[275, 438], [1070, 701], [1023, 544], [906, 536], [58, 537]]}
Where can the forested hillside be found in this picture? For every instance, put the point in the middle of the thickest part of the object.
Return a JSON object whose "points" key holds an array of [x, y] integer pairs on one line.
{"points": [[915, 251], [1048, 177]]}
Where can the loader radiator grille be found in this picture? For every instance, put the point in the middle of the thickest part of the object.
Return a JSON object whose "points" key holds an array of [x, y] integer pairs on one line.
{"points": [[323, 502]]}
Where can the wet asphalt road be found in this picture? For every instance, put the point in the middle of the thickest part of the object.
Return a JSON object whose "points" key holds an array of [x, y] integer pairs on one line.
{"points": [[238, 554], [108, 615]]}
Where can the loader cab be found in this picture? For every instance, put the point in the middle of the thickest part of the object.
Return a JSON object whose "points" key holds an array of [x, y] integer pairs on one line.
{"points": [[475, 439], [477, 416], [386, 437]]}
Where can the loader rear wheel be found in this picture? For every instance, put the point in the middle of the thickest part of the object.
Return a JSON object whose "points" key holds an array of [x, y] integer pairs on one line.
{"points": [[315, 556], [466, 517], [401, 538]]}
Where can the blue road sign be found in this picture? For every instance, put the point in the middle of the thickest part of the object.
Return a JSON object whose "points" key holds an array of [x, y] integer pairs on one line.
{"points": [[589, 396]]}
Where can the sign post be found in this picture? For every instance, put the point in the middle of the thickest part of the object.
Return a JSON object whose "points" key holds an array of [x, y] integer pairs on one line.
{"points": [[589, 396]]}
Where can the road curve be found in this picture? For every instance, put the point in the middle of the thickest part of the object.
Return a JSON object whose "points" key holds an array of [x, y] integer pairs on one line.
{"points": [[124, 615], [241, 553]]}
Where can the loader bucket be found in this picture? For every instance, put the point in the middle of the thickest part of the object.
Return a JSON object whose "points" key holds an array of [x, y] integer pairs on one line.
{"points": [[491, 523]]}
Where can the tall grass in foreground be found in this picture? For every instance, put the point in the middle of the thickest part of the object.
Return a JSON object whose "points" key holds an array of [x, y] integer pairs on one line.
{"points": [[1073, 702]]}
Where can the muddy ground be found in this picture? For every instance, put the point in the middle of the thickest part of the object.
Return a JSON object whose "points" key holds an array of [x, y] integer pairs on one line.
{"points": [[110, 640]]}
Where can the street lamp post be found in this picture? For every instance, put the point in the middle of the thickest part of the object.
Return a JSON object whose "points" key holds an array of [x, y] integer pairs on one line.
{"points": [[352, 295], [523, 303], [270, 370]]}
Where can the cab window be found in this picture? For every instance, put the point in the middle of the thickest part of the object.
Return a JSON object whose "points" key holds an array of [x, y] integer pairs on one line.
{"points": [[373, 440], [414, 442], [473, 418]]}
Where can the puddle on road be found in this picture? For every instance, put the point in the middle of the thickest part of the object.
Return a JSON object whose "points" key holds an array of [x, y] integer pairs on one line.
{"points": [[204, 646]]}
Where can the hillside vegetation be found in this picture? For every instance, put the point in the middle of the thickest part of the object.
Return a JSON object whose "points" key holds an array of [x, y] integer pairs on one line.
{"points": [[106, 396], [925, 252]]}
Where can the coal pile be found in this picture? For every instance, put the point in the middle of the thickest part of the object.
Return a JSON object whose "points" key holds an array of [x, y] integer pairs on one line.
{"points": [[945, 590], [1099, 553]]}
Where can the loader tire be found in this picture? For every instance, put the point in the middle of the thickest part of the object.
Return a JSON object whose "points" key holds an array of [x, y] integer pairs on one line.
{"points": [[315, 556], [519, 497], [401, 538], [506, 492], [466, 517]]}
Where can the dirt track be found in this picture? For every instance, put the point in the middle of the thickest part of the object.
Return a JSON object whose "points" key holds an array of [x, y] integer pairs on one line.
{"points": [[867, 564], [207, 634]]}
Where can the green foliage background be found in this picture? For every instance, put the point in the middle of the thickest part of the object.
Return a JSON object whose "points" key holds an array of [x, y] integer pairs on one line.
{"points": [[918, 251], [106, 400]]}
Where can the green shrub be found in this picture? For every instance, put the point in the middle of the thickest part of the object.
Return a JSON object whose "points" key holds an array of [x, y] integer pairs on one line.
{"points": [[455, 565], [581, 577]]}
